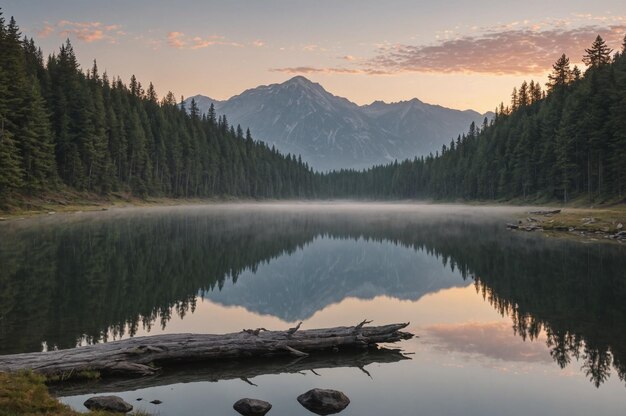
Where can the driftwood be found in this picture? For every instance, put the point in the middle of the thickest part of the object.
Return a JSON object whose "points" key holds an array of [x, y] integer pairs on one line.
{"points": [[143, 355], [245, 370]]}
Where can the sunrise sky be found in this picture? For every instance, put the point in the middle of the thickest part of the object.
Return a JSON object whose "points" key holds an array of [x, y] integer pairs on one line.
{"points": [[460, 54]]}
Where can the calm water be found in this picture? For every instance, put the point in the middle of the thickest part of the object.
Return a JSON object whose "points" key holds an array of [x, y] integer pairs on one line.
{"points": [[508, 323]]}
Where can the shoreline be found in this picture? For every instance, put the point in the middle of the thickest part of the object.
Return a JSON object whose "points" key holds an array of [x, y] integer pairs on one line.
{"points": [[604, 223]]}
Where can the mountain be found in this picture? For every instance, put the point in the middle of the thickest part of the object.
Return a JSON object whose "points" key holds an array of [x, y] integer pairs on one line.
{"points": [[331, 132]]}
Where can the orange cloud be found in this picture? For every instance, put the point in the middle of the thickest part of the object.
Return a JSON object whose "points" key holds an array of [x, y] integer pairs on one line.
{"points": [[85, 31], [46, 31], [175, 39], [518, 48], [510, 51], [330, 70], [179, 40]]}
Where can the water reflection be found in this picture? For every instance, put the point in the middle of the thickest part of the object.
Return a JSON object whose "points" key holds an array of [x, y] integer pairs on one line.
{"points": [[89, 280], [244, 370]]}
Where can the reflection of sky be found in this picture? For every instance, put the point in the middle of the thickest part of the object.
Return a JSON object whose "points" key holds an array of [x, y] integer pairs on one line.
{"points": [[498, 375], [494, 340]]}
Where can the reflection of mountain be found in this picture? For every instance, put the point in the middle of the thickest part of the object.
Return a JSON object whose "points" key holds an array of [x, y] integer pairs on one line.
{"points": [[327, 271], [62, 282]]}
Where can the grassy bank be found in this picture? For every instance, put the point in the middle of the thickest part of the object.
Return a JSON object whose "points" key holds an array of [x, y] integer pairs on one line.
{"points": [[589, 224], [26, 394], [22, 206]]}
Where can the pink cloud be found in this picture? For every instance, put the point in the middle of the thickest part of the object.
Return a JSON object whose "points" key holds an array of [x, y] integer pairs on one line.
{"points": [[85, 31], [175, 40], [510, 51], [46, 31], [179, 40], [517, 48], [330, 70]]}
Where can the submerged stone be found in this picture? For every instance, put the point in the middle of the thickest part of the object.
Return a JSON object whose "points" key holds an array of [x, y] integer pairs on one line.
{"points": [[252, 407]]}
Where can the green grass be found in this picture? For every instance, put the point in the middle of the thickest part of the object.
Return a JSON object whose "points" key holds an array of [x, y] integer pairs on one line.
{"points": [[26, 394]]}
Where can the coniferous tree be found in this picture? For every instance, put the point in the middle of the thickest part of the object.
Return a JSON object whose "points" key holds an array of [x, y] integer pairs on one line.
{"points": [[598, 54], [561, 73]]}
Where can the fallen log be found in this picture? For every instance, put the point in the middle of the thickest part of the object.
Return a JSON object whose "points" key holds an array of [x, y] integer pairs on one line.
{"points": [[245, 370], [142, 356]]}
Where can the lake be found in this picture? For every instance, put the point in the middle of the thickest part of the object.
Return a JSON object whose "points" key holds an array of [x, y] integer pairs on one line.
{"points": [[508, 323]]}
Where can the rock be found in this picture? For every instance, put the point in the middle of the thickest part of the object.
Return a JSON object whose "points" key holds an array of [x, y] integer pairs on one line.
{"points": [[139, 399], [51, 213], [324, 402], [2, 219], [620, 226], [252, 407], [156, 402], [512, 226], [108, 403]]}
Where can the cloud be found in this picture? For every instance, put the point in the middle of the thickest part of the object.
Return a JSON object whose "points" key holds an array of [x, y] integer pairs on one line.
{"points": [[329, 70], [258, 43], [85, 31], [313, 48], [516, 48], [175, 39], [510, 51], [46, 31], [179, 40], [490, 339]]}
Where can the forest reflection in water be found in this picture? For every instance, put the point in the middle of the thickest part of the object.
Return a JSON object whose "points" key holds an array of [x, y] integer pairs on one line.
{"points": [[91, 278]]}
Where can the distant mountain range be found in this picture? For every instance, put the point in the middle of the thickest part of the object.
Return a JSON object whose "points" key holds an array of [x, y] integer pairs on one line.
{"points": [[331, 132]]}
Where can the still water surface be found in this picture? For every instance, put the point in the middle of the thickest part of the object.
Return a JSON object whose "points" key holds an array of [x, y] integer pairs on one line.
{"points": [[508, 323]]}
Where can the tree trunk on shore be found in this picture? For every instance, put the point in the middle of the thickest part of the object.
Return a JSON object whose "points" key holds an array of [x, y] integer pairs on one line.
{"points": [[141, 356], [245, 369]]}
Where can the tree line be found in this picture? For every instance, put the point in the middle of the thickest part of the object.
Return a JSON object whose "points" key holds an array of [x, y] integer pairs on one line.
{"points": [[64, 128], [568, 142]]}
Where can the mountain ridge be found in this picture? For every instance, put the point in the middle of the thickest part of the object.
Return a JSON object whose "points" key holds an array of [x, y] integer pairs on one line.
{"points": [[331, 132]]}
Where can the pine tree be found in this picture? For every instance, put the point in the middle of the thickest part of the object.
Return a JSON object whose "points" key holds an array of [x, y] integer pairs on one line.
{"points": [[598, 55], [36, 145], [10, 161], [561, 74]]}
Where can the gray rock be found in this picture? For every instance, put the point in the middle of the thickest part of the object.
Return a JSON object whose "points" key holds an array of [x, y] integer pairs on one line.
{"points": [[324, 402], [109, 403], [156, 401], [252, 407]]}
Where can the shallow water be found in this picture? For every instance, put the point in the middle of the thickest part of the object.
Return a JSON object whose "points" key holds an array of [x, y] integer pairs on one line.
{"points": [[508, 323]]}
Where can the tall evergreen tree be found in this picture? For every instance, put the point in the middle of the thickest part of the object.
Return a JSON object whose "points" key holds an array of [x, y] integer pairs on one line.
{"points": [[598, 54]]}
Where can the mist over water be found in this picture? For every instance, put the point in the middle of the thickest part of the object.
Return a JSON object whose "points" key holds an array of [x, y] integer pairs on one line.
{"points": [[497, 312]]}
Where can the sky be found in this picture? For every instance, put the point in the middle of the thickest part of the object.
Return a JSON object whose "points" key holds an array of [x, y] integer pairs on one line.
{"points": [[459, 54]]}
